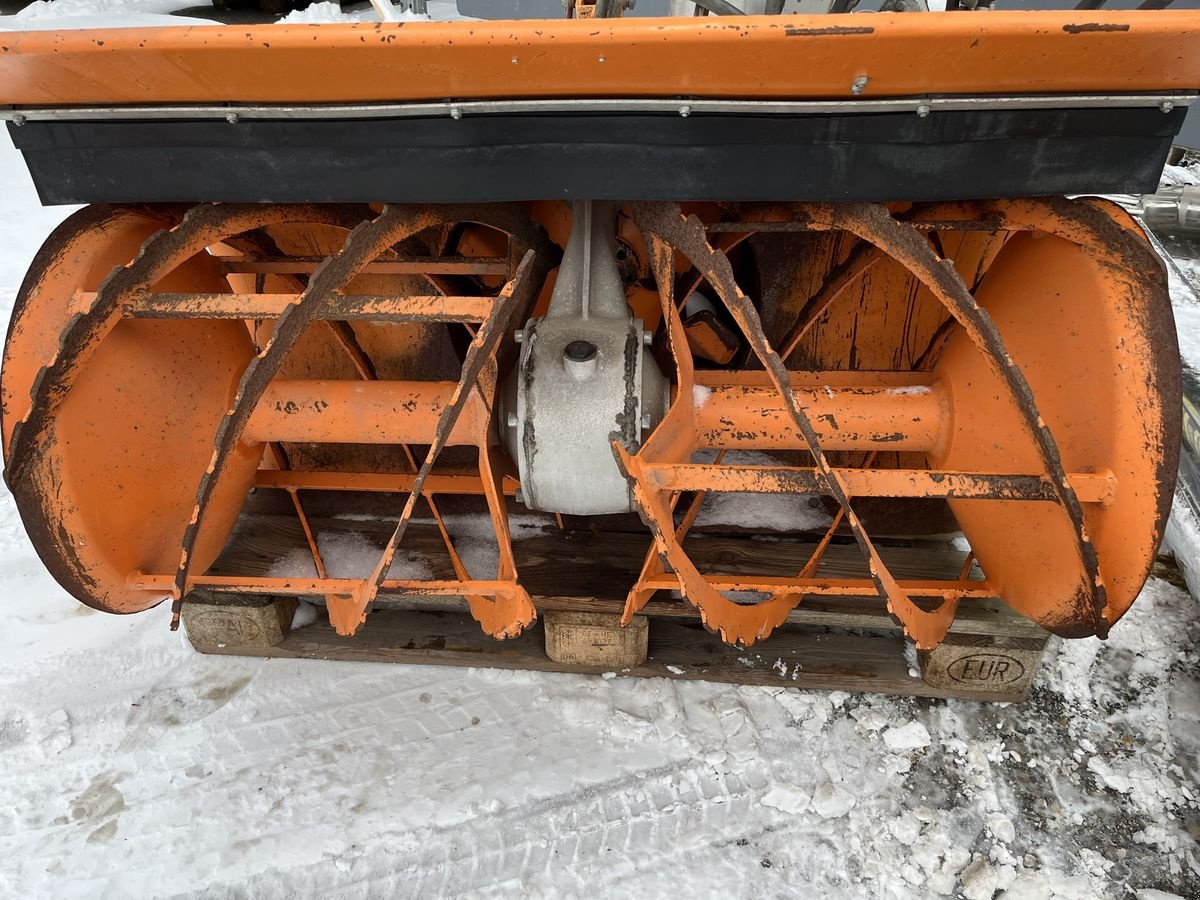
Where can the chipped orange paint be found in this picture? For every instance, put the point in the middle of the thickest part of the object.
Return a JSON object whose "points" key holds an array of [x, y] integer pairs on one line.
{"points": [[811, 57], [1046, 554]]}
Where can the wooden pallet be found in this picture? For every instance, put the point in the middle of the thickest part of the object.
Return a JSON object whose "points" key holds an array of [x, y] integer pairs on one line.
{"points": [[853, 645]]}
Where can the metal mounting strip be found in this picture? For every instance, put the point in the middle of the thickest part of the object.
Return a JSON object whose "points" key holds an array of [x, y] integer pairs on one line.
{"points": [[681, 106]]}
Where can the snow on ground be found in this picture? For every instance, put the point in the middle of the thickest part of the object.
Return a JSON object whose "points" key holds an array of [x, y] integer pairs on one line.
{"points": [[45, 15], [328, 11], [134, 767], [1183, 529], [1184, 278], [61, 14]]}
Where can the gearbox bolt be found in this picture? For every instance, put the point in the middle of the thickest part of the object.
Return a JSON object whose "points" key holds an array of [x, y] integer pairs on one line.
{"points": [[579, 359], [580, 351]]}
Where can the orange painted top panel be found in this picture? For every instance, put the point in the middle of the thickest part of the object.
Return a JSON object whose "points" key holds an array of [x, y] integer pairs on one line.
{"points": [[798, 57]]}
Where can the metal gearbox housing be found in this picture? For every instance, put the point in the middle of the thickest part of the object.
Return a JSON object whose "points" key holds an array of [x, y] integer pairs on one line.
{"points": [[585, 379]]}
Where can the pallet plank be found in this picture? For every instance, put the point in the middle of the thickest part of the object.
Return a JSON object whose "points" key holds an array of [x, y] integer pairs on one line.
{"points": [[595, 560], [591, 571], [796, 657], [847, 644]]}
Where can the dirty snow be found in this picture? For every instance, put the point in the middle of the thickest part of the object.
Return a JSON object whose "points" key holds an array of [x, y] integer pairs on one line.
{"points": [[57, 15], [1183, 529], [134, 767], [325, 12], [1184, 280], [63, 14], [770, 512], [349, 554], [758, 512]]}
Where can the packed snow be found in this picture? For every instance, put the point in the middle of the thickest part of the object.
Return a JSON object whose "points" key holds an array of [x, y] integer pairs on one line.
{"points": [[62, 14], [1183, 529], [56, 15], [135, 767]]}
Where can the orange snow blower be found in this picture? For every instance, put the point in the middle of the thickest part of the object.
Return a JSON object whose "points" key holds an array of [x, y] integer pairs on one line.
{"points": [[602, 266]]}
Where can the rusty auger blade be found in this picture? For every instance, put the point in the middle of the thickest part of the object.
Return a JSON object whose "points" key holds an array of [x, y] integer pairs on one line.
{"points": [[905, 243], [348, 612], [367, 241], [202, 226], [674, 439], [686, 235]]}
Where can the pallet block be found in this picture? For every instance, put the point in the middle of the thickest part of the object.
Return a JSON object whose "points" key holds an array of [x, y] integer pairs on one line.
{"points": [[983, 663], [215, 621], [596, 639]]}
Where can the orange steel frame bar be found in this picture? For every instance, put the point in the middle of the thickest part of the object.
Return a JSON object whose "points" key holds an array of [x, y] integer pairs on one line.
{"points": [[375, 483], [342, 307], [1089, 486], [884, 412], [850, 588], [810, 57]]}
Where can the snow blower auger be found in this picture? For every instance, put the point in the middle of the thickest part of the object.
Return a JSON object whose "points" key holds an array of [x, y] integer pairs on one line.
{"points": [[604, 267]]}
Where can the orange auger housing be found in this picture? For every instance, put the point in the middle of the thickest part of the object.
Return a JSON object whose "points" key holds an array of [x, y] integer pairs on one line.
{"points": [[660, 259]]}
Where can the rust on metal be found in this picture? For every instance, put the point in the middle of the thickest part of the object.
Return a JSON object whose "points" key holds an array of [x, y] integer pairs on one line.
{"points": [[755, 57], [747, 624], [336, 306], [349, 611]]}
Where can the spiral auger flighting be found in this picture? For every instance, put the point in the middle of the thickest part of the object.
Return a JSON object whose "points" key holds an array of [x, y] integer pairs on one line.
{"points": [[662, 469], [294, 297], [270, 328]]}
